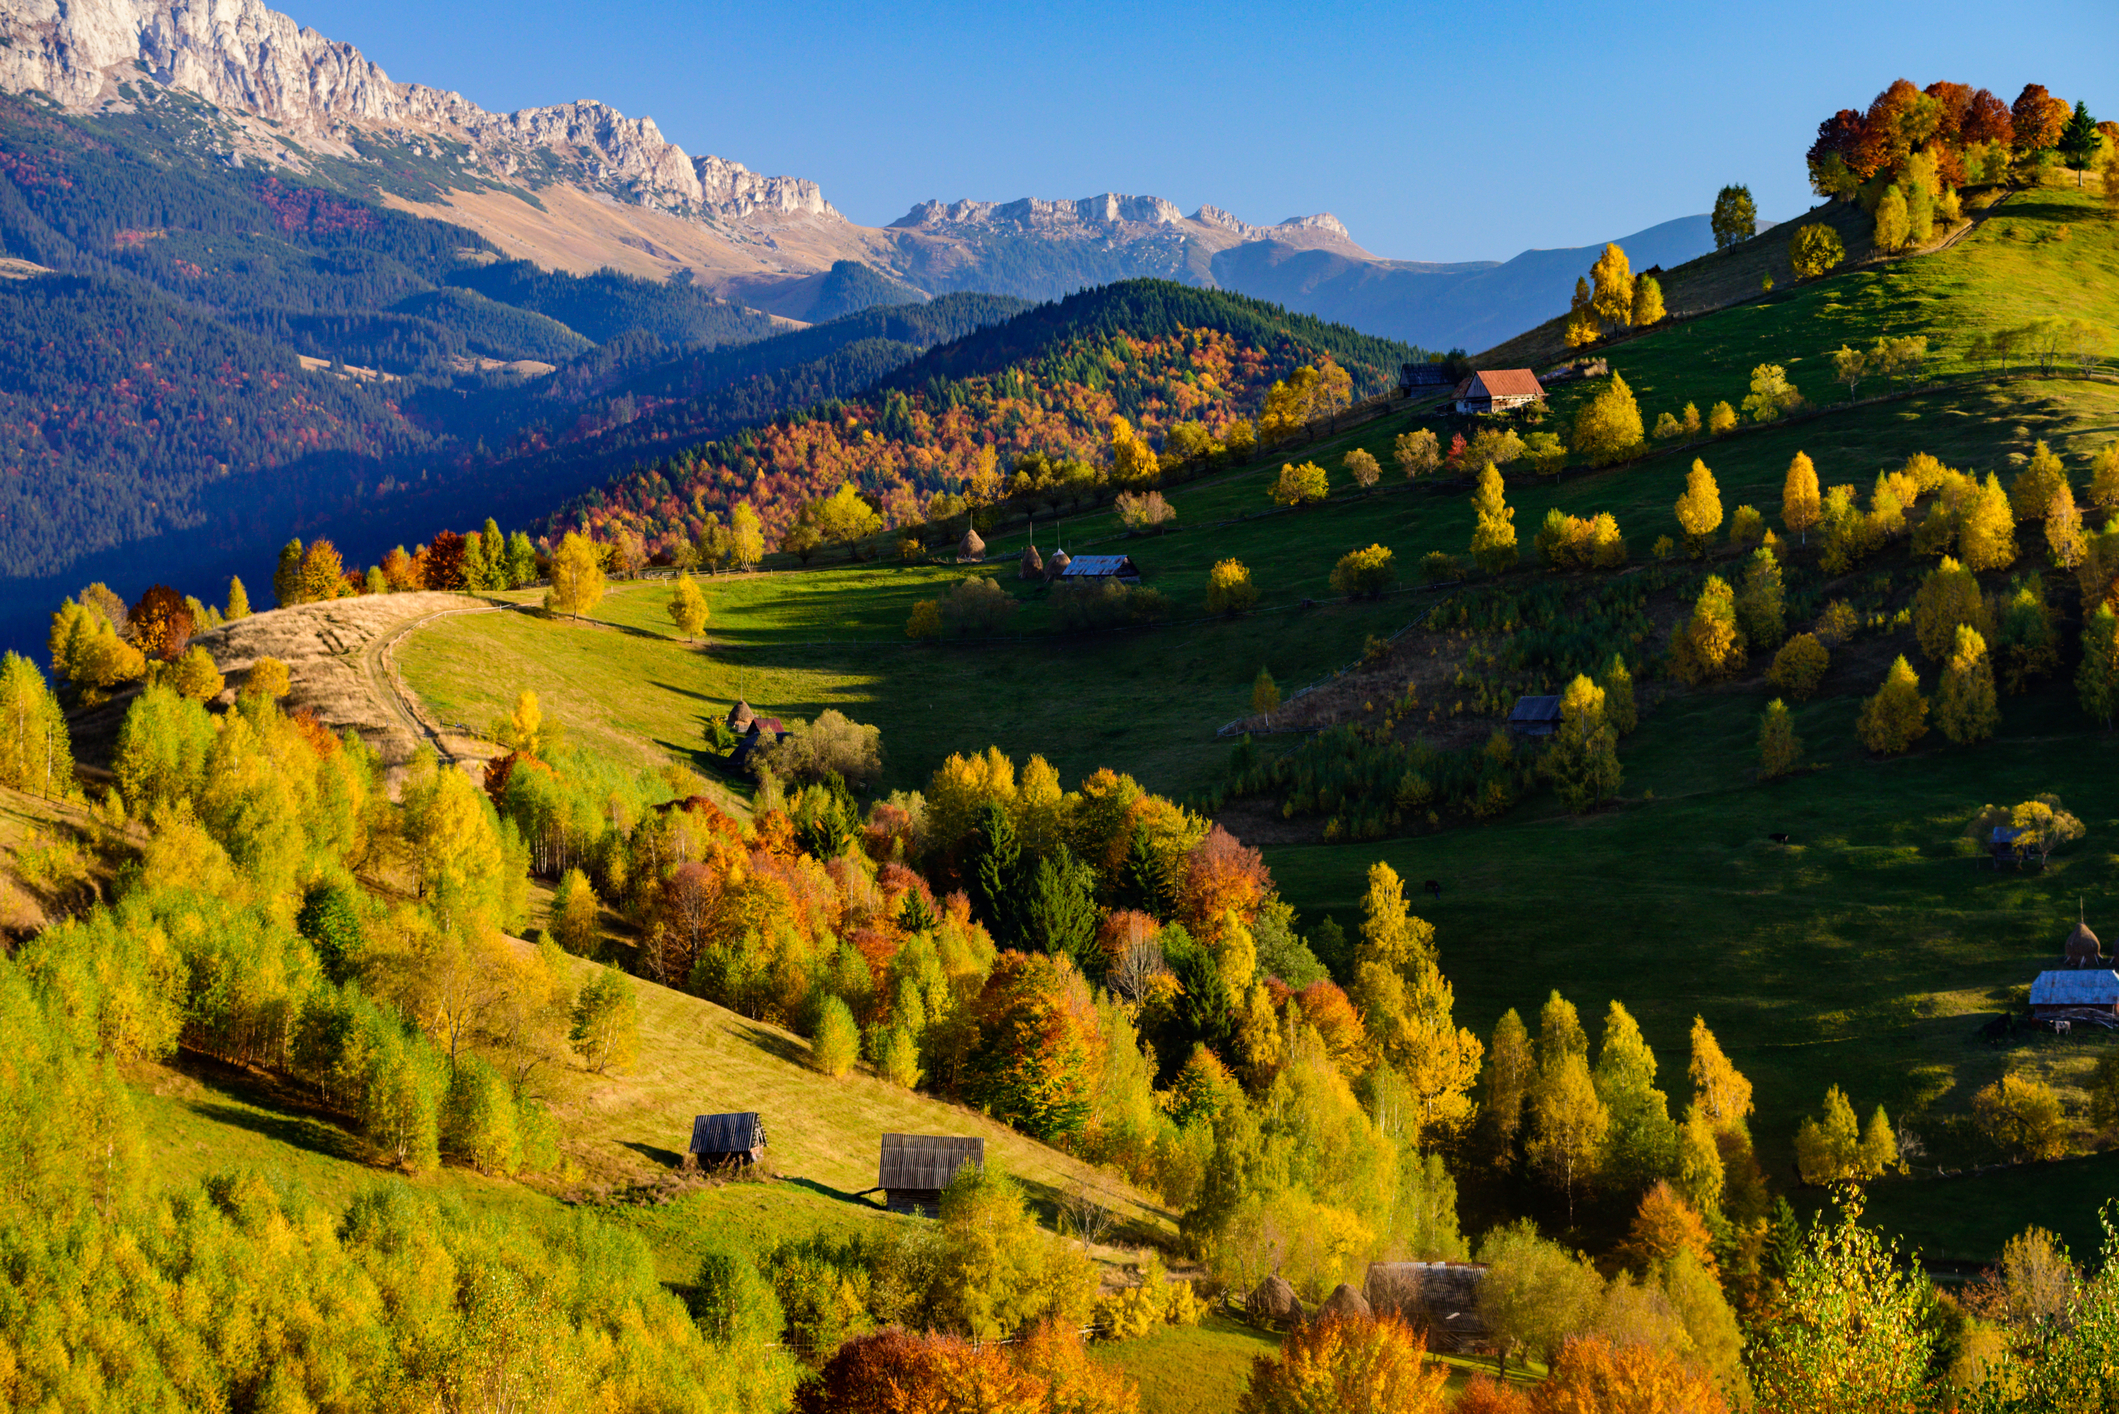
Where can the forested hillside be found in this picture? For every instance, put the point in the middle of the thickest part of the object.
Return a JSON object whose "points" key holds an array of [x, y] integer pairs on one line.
{"points": [[1045, 384]]}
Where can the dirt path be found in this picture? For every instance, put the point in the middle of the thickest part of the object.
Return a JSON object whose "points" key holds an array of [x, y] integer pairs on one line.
{"points": [[338, 655]]}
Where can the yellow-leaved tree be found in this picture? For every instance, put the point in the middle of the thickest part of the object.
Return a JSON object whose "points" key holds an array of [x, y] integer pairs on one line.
{"points": [[1493, 544], [1408, 1006], [577, 576], [1608, 428], [687, 607], [1699, 507], [1613, 277], [1897, 716], [1801, 505]]}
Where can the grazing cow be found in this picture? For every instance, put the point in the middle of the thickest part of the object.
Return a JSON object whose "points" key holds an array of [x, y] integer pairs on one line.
{"points": [[1434, 888], [1779, 838]]}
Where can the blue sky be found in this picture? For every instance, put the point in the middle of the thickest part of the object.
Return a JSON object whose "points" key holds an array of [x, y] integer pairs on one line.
{"points": [[1436, 132]]}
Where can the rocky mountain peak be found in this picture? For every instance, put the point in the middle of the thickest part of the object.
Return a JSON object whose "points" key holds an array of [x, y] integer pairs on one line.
{"points": [[249, 60], [1323, 221]]}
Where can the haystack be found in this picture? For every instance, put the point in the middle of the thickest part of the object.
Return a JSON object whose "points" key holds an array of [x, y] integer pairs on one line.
{"points": [[1057, 565], [1274, 1303], [1033, 564], [1344, 1304], [970, 550]]}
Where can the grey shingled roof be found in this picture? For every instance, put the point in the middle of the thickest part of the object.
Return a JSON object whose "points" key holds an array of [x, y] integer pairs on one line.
{"points": [[1096, 566], [2087, 986], [922, 1161], [728, 1134], [1536, 709]]}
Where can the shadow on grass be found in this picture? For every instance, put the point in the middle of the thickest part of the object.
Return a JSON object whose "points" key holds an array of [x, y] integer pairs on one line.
{"points": [[297, 1131], [668, 1158], [774, 1044], [837, 1195]]}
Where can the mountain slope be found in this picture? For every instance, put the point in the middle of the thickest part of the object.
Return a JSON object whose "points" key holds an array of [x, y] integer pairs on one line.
{"points": [[1047, 381]]}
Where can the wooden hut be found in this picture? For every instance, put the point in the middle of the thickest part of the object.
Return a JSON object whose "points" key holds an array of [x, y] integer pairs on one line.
{"points": [[1535, 716], [756, 732], [726, 1139], [1441, 1298], [915, 1168], [970, 550], [2077, 994], [1094, 567]]}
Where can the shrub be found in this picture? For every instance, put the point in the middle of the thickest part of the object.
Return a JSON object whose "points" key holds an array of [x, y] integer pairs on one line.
{"points": [[1747, 527], [1720, 418], [837, 1043], [1439, 567], [924, 622], [1229, 588], [834, 744], [1837, 623], [1815, 249], [1364, 574], [1299, 484], [1078, 606], [974, 607], [1144, 512], [1800, 666]]}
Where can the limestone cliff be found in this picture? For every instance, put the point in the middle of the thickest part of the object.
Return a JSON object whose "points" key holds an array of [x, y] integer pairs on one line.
{"points": [[253, 62]]}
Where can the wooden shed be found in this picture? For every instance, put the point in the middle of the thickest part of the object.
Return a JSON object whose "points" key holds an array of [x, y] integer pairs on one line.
{"points": [[1535, 716], [2077, 994], [915, 1168], [1118, 567], [726, 1139], [1423, 375], [1441, 1298]]}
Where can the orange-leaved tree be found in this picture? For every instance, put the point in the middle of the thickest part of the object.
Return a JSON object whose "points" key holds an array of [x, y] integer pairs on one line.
{"points": [[1350, 1366]]}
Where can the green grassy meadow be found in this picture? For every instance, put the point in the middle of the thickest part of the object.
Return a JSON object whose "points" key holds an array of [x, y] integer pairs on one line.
{"points": [[1865, 953]]}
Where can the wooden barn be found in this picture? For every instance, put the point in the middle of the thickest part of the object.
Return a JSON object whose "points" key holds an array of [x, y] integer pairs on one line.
{"points": [[1095, 567], [752, 731], [1498, 390], [1441, 1298], [1423, 376], [915, 1168], [726, 1139], [2077, 994], [1535, 716]]}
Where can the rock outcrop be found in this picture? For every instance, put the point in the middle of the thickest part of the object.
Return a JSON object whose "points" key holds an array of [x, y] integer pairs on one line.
{"points": [[246, 59]]}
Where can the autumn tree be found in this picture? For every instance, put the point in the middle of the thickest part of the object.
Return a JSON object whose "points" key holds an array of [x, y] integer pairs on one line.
{"points": [[1896, 716], [238, 601], [1417, 453], [1299, 485], [1363, 467], [1947, 600], [605, 1028], [1799, 666], [1569, 1122], [1735, 216], [1265, 696], [1709, 646], [1408, 1006], [195, 676], [1801, 506], [2032, 491], [2065, 542], [1583, 760], [1608, 428], [1647, 302], [1511, 1071], [1894, 224], [36, 752], [2022, 1118], [1771, 393], [1229, 588], [1039, 1051], [1364, 574], [160, 623], [1640, 1145], [1348, 1365], [1493, 545], [1965, 705], [1535, 1295], [1699, 507], [1613, 277], [687, 607], [1596, 1375], [1815, 249], [2097, 680], [1778, 747], [577, 577], [575, 915], [1849, 1328], [1986, 533]]}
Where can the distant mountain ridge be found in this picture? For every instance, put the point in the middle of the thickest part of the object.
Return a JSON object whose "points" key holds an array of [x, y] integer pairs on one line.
{"points": [[580, 186]]}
